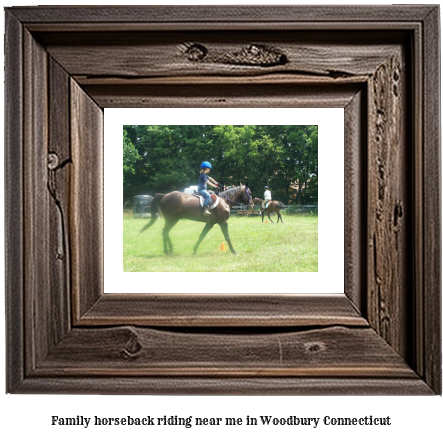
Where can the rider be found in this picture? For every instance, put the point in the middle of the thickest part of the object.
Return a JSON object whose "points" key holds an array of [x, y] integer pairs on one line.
{"points": [[203, 180], [267, 196]]}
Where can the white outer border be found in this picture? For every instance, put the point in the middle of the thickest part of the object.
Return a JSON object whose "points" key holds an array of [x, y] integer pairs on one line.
{"points": [[423, 420]]}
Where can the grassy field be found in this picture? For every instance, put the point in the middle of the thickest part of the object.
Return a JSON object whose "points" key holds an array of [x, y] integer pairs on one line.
{"points": [[262, 247]]}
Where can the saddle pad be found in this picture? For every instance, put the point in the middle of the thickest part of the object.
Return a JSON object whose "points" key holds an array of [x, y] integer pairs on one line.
{"points": [[212, 203]]}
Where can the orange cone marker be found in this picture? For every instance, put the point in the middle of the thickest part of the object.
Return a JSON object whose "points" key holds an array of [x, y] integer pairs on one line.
{"points": [[223, 247]]}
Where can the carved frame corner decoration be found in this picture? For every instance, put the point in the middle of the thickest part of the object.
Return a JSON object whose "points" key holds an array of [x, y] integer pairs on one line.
{"points": [[379, 63]]}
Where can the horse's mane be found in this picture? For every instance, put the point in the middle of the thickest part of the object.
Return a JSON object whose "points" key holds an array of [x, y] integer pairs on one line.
{"points": [[233, 191], [261, 200]]}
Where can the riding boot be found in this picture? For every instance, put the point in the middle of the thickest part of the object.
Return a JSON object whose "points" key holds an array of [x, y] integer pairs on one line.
{"points": [[206, 211]]}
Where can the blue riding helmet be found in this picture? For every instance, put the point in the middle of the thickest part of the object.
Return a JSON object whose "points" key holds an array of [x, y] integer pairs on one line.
{"points": [[206, 164]]}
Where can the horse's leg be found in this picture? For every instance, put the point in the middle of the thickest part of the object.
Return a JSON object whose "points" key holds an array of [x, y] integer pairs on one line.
{"points": [[205, 231], [224, 227], [167, 243], [270, 218], [279, 216], [262, 215]]}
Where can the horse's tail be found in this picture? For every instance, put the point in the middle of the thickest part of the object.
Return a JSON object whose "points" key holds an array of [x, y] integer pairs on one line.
{"points": [[154, 211], [281, 205]]}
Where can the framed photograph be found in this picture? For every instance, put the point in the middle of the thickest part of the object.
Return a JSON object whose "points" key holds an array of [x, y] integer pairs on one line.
{"points": [[256, 146], [375, 328]]}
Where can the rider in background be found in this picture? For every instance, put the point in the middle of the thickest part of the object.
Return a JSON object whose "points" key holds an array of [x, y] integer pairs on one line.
{"points": [[203, 180], [267, 197]]}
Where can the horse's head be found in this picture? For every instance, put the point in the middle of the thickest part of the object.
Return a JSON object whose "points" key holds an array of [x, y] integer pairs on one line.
{"points": [[238, 195], [247, 197]]}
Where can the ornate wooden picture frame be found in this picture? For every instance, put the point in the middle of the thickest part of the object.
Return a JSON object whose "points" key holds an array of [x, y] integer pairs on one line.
{"points": [[65, 64]]}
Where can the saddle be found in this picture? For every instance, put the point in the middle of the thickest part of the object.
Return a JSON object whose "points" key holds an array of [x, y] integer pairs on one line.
{"points": [[213, 202]]}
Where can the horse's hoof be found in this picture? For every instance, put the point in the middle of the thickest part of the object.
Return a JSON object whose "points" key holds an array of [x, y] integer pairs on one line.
{"points": [[235, 253]]}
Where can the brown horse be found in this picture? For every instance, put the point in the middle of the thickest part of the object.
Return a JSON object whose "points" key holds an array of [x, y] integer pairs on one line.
{"points": [[178, 205], [272, 206]]}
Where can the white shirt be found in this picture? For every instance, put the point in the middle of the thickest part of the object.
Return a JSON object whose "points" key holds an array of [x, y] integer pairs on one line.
{"points": [[268, 195]]}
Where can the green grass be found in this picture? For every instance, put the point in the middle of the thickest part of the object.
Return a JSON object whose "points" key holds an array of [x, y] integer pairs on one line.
{"points": [[262, 247]]}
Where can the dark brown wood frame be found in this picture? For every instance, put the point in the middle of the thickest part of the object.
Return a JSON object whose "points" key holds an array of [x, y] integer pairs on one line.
{"points": [[64, 65]]}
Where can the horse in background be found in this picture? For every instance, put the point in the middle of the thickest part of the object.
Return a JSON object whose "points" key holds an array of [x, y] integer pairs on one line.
{"points": [[273, 206], [179, 205]]}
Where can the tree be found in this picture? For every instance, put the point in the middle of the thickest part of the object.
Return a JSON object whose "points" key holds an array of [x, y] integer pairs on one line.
{"points": [[163, 158], [130, 155]]}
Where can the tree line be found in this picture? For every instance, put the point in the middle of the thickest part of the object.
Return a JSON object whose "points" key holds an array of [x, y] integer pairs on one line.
{"points": [[163, 158]]}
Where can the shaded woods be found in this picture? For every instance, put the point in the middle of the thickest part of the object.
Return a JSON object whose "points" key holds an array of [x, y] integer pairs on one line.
{"points": [[163, 158]]}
